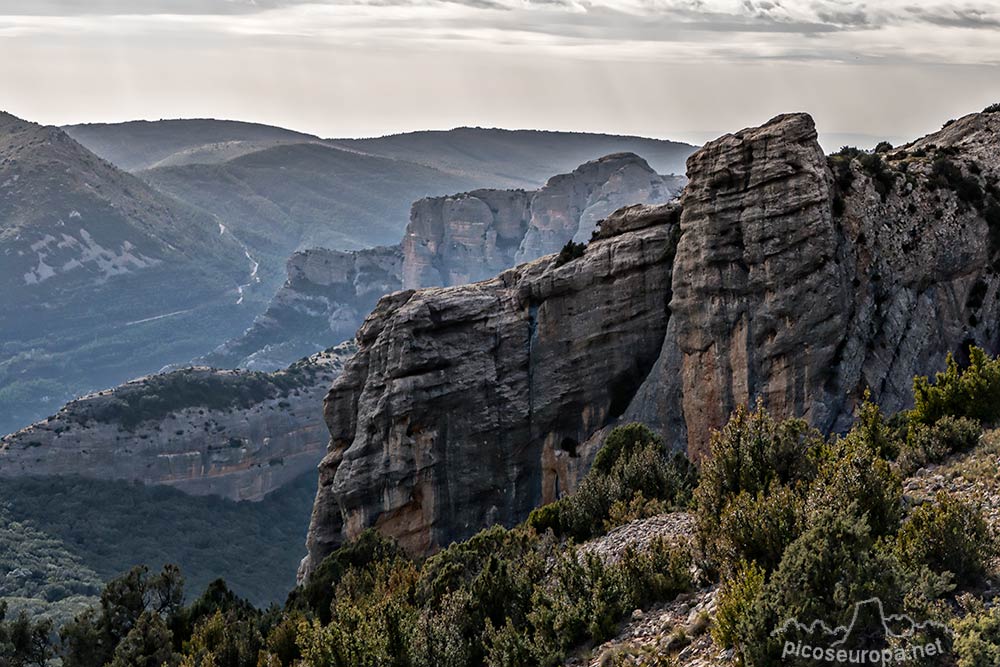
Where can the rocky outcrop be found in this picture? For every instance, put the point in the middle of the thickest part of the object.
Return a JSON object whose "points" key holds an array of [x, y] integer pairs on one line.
{"points": [[235, 434], [760, 298], [799, 279], [467, 406], [463, 238], [325, 297], [475, 235], [804, 281]]}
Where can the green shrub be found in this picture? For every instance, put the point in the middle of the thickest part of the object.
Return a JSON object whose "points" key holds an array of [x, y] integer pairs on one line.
{"points": [[547, 517], [882, 177], [931, 444], [317, 594], [582, 600], [24, 642], [624, 441], [947, 174], [993, 108], [972, 392], [833, 565], [946, 536], [223, 640], [658, 572], [977, 638], [130, 624], [758, 529], [507, 646], [633, 467], [569, 252], [856, 480], [750, 453], [737, 598]]}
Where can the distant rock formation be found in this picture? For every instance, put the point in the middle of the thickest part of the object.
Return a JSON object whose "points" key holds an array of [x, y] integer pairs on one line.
{"points": [[798, 278], [324, 299], [450, 240], [475, 235], [235, 434]]}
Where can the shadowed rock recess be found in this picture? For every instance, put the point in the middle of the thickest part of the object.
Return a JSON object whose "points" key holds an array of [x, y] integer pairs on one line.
{"points": [[782, 274]]}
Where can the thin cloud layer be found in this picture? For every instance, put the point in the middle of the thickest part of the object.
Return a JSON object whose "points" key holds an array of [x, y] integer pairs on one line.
{"points": [[361, 67], [805, 30]]}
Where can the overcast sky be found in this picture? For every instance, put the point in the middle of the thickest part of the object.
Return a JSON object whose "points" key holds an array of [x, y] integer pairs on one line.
{"points": [[687, 69]]}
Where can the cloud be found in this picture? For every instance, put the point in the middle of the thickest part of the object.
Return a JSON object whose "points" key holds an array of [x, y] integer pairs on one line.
{"points": [[932, 31]]}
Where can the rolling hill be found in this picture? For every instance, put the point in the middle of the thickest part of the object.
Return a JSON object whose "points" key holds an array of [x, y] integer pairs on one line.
{"points": [[517, 158], [143, 144]]}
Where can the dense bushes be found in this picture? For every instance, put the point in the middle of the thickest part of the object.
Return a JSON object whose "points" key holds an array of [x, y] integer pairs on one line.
{"points": [[633, 475], [977, 638], [973, 391], [813, 544], [946, 535], [931, 444], [883, 178], [23, 641], [87, 531], [504, 598], [157, 396], [752, 455]]}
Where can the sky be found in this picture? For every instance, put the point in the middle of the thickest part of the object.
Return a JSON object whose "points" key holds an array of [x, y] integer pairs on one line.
{"points": [[681, 69]]}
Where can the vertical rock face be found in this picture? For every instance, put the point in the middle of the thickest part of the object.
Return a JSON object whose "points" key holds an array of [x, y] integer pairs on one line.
{"points": [[325, 296], [234, 434], [463, 238], [467, 406], [804, 287], [475, 235], [799, 279], [758, 244], [570, 205]]}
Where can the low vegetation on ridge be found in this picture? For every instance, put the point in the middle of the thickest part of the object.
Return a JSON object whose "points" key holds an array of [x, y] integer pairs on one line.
{"points": [[789, 523]]}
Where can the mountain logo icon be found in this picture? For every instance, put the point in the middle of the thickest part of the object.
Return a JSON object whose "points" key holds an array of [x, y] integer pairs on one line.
{"points": [[870, 637]]}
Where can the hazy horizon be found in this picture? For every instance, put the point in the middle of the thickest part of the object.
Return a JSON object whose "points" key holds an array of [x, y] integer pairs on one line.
{"points": [[686, 70], [830, 140]]}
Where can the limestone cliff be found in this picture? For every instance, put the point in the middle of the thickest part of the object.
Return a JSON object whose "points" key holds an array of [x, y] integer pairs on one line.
{"points": [[467, 406], [235, 434], [804, 280], [475, 235], [799, 278]]}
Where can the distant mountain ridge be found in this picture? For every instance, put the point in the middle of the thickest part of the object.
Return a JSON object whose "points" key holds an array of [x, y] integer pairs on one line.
{"points": [[142, 144], [103, 278], [518, 158], [493, 157]]}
